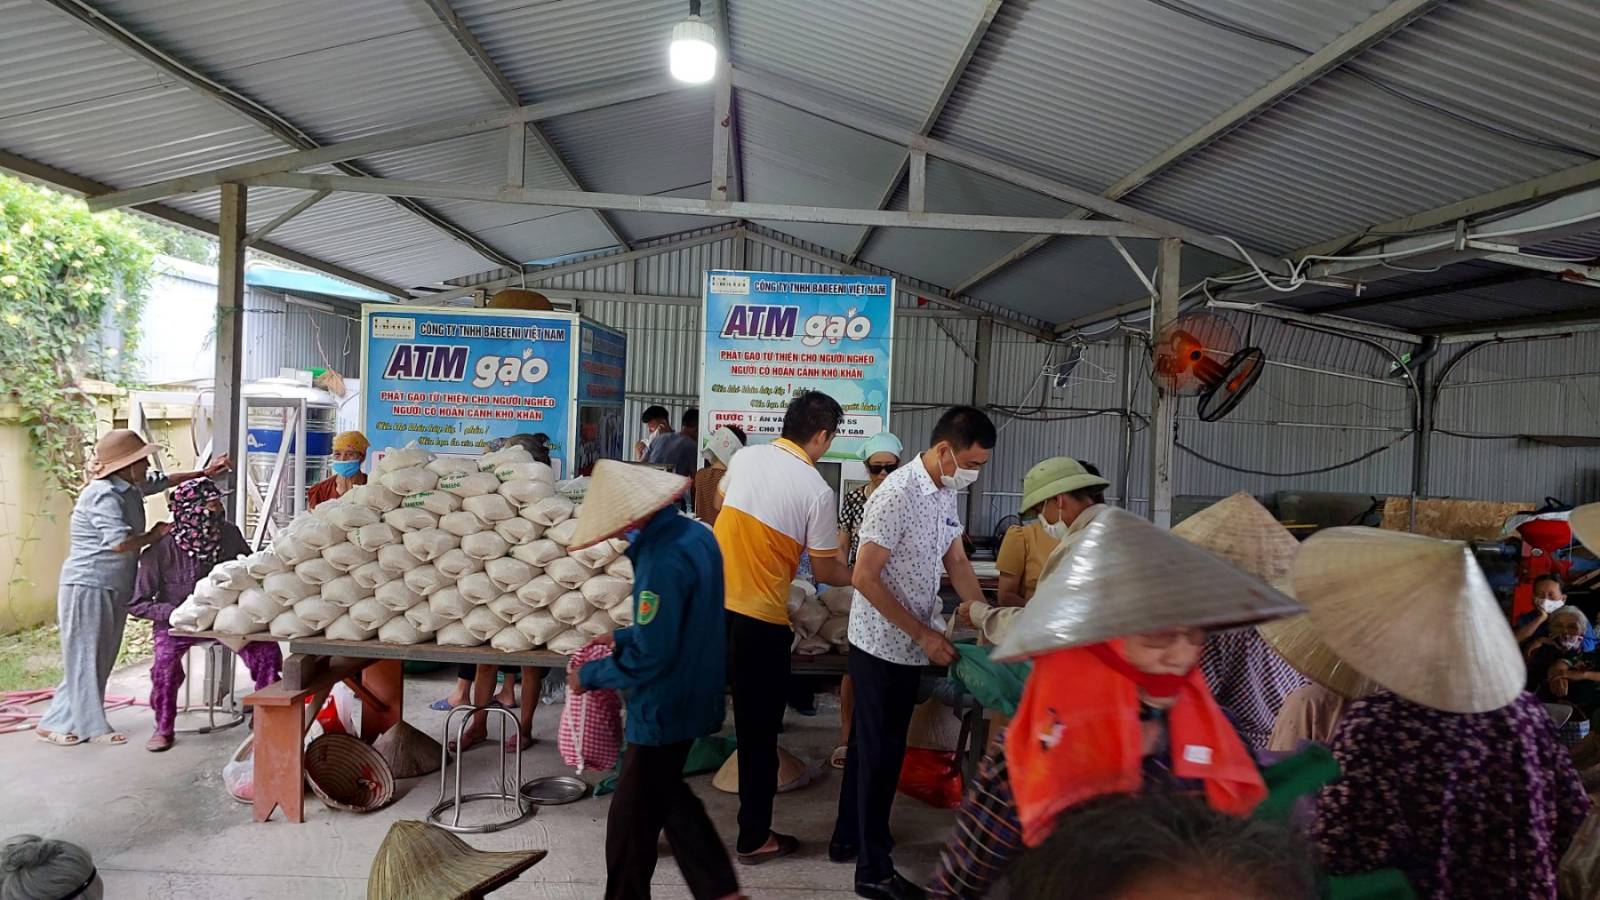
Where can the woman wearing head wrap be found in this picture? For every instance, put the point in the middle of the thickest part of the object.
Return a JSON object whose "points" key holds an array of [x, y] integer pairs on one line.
{"points": [[34, 868], [107, 532], [881, 454], [349, 451], [168, 572], [724, 443]]}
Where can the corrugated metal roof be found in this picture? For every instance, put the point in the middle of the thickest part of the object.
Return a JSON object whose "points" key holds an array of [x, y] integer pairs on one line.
{"points": [[1533, 294], [1070, 279], [388, 243]]}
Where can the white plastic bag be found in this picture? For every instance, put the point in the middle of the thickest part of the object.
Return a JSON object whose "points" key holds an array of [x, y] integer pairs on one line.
{"points": [[404, 458], [562, 534], [621, 567], [540, 626], [461, 523], [406, 482], [837, 600], [317, 613], [372, 537], [345, 628], [372, 575], [540, 592], [451, 465], [597, 556], [207, 593], [518, 531], [288, 625], [317, 571], [262, 563], [436, 502], [455, 564], [510, 607], [406, 520], [836, 630], [568, 642], [808, 618], [425, 579], [371, 614], [350, 516], [486, 545], [599, 622], [569, 573], [510, 640], [288, 587], [799, 592], [430, 544], [373, 496], [606, 591], [345, 591], [234, 620], [474, 484], [490, 508], [552, 511], [523, 491], [483, 622], [401, 630], [538, 553], [531, 470], [622, 614], [191, 616], [347, 556], [478, 588], [318, 534], [291, 550], [397, 560], [505, 456], [447, 605], [509, 574], [570, 608], [423, 619], [456, 634], [397, 596], [260, 605], [233, 575]]}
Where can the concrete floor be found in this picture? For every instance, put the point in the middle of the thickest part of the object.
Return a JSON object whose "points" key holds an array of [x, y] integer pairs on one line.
{"points": [[162, 826]]}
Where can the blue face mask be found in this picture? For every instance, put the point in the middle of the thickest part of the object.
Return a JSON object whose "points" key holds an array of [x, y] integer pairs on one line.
{"points": [[346, 468], [631, 535]]}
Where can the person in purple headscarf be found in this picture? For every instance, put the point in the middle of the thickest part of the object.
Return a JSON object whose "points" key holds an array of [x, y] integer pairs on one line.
{"points": [[168, 572]]}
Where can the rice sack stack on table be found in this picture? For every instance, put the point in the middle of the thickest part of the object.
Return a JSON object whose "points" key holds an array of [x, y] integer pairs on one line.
{"points": [[461, 551]]}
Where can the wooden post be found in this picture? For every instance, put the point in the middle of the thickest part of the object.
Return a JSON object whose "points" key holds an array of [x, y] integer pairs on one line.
{"points": [[225, 402]]}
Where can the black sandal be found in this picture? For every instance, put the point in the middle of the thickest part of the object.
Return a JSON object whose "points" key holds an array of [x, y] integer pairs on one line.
{"points": [[787, 846]]}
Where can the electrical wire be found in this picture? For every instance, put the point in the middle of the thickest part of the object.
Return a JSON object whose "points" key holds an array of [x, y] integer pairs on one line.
{"points": [[1247, 471]]}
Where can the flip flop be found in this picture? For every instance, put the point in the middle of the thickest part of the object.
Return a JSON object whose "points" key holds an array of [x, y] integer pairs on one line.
{"points": [[59, 738], [114, 738], [840, 753], [440, 705], [787, 845]]}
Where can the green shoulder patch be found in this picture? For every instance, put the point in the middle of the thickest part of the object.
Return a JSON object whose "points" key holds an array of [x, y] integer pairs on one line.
{"points": [[649, 604]]}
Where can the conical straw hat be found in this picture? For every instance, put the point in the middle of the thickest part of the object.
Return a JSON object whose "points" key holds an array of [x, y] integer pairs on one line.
{"points": [[418, 861], [408, 752], [791, 773], [1413, 613], [1125, 576], [620, 495], [1240, 530], [1585, 524], [1295, 639]]}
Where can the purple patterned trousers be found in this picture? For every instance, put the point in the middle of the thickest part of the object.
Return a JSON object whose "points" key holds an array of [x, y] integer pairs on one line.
{"points": [[166, 673]]}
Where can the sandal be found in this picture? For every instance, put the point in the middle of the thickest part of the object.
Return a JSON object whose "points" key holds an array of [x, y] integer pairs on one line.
{"points": [[59, 738], [510, 744], [839, 754], [159, 743], [786, 846], [441, 705], [114, 738]]}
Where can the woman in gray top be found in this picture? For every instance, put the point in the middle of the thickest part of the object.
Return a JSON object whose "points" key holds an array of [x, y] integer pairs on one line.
{"points": [[107, 532]]}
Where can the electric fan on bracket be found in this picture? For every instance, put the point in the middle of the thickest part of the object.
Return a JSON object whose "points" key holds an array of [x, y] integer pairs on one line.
{"points": [[1199, 356]]}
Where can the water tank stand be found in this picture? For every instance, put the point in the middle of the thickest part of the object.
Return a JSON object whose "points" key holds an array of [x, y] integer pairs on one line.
{"points": [[266, 496]]}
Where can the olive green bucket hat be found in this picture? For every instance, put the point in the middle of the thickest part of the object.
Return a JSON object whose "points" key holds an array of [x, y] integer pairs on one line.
{"points": [[1056, 475]]}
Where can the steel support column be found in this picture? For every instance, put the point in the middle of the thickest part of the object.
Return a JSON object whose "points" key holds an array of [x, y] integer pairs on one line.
{"points": [[226, 402], [1163, 405], [981, 364], [1125, 470]]}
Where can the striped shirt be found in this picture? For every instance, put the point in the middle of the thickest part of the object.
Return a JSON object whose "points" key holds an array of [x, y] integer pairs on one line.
{"points": [[1250, 681]]}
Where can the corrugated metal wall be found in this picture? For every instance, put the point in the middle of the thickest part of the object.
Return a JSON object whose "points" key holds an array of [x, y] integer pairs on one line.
{"points": [[282, 331]]}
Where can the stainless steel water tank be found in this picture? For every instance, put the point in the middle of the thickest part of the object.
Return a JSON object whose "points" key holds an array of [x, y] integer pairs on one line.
{"points": [[265, 428]]}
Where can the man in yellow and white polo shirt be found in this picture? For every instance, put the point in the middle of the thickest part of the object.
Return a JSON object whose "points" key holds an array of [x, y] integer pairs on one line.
{"points": [[775, 507]]}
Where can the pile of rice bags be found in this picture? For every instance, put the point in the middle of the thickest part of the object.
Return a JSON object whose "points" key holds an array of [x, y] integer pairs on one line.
{"points": [[464, 551]]}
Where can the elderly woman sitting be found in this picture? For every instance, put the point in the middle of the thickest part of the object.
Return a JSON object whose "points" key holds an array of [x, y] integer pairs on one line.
{"points": [[34, 868], [1560, 672]]}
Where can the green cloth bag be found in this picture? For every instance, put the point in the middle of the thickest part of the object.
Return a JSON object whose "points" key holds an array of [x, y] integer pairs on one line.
{"points": [[996, 685], [706, 755]]}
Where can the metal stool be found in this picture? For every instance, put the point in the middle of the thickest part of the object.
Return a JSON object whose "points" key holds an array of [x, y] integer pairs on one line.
{"points": [[218, 697], [508, 792]]}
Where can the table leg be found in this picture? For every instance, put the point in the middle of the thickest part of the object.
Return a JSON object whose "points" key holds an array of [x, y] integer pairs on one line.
{"points": [[279, 763], [385, 681]]}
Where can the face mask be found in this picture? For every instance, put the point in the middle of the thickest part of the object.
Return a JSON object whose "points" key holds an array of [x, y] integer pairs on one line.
{"points": [[631, 535], [346, 468], [961, 479], [1056, 530], [1569, 643], [1551, 606]]}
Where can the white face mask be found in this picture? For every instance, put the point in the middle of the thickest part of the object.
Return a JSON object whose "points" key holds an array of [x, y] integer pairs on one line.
{"points": [[1551, 606], [1571, 642], [1056, 530], [961, 479]]}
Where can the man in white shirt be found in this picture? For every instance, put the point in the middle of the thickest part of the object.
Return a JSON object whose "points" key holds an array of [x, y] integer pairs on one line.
{"points": [[909, 530]]}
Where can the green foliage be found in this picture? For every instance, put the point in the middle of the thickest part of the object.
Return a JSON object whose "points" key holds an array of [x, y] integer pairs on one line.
{"points": [[170, 240], [64, 275]]}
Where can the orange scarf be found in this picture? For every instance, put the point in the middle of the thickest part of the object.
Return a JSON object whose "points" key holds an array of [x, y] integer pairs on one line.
{"points": [[1077, 736]]}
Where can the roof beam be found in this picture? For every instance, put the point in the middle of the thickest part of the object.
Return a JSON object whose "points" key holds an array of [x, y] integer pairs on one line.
{"points": [[265, 118], [975, 36], [508, 92], [1337, 52], [774, 89], [85, 187], [1491, 280], [310, 200]]}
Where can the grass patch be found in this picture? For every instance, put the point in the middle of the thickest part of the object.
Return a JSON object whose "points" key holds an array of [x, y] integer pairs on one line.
{"points": [[31, 659]]}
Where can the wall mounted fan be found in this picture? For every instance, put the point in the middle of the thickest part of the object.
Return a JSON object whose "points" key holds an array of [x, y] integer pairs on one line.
{"points": [[1199, 356]]}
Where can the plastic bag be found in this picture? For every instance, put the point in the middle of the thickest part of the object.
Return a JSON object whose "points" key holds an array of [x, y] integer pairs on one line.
{"points": [[406, 520], [570, 608], [397, 595], [448, 605], [807, 619], [262, 563], [510, 607], [505, 456], [486, 545], [838, 600], [453, 465], [529, 470], [233, 575], [552, 511], [372, 575], [373, 496], [423, 618], [347, 556], [374, 536], [350, 516], [318, 535], [259, 605], [622, 614], [490, 508], [404, 458], [406, 482], [430, 544], [345, 592], [599, 622], [562, 534], [239, 773], [397, 560], [523, 491], [996, 685], [540, 592], [456, 564], [461, 523], [836, 631], [597, 556], [317, 613], [401, 630], [369, 613], [207, 593], [288, 625], [590, 733], [933, 777], [621, 567], [438, 503], [345, 628], [518, 531], [510, 640], [540, 626], [191, 616], [569, 573], [456, 634], [606, 591], [483, 622], [233, 620], [474, 484], [538, 553], [509, 574], [317, 571], [426, 579], [288, 587], [478, 588]]}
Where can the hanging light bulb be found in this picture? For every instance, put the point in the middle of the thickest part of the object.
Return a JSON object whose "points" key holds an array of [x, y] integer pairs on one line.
{"points": [[693, 52]]}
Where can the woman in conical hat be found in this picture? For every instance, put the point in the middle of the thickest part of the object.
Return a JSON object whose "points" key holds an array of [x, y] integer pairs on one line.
{"points": [[1116, 703], [1451, 773]]}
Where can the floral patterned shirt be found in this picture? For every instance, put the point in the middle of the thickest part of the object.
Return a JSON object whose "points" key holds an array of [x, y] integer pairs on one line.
{"points": [[1468, 806]]}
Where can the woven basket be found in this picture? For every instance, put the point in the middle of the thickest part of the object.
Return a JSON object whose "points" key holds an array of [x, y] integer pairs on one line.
{"points": [[348, 774]]}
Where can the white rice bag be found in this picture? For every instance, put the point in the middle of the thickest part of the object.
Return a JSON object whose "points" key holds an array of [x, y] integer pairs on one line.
{"points": [[345, 628], [505, 456], [808, 618], [523, 491], [233, 575], [540, 592], [397, 596], [425, 579], [456, 634], [461, 523], [533, 470], [289, 587], [234, 620], [437, 502], [837, 600], [621, 567], [406, 520], [260, 605], [465, 485], [562, 534], [350, 516], [490, 508], [510, 640], [570, 608], [478, 588], [430, 544], [568, 642], [423, 619], [800, 592], [401, 630], [373, 496], [619, 544], [455, 564], [568, 572], [372, 575], [483, 622], [373, 536], [319, 535], [347, 556], [599, 622], [509, 574], [622, 614], [317, 613], [486, 545], [262, 563], [447, 605], [836, 630], [539, 553], [291, 550], [530, 513], [539, 626], [326, 509], [288, 625], [510, 607], [404, 458], [345, 591], [451, 465], [519, 531], [369, 613], [597, 556], [317, 571], [207, 593], [605, 591], [552, 511], [397, 560], [191, 616], [406, 482]]}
